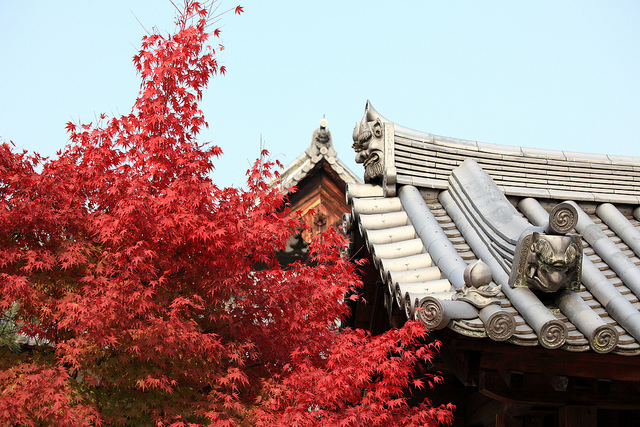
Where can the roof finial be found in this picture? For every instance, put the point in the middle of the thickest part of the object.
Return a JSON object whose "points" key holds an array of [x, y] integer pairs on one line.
{"points": [[321, 143]]}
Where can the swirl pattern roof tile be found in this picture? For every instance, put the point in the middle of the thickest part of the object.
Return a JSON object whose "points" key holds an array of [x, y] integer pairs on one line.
{"points": [[475, 200]]}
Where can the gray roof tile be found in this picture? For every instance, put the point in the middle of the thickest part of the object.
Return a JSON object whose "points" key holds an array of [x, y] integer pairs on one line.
{"points": [[472, 230]]}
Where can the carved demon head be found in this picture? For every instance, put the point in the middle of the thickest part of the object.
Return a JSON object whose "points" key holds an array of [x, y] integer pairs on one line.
{"points": [[548, 263], [368, 144]]}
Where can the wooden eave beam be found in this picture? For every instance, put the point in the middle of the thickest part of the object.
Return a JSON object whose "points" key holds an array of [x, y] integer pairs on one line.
{"points": [[506, 356], [536, 391]]}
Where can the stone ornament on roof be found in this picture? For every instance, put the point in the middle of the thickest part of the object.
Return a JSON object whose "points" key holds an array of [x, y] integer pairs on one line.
{"points": [[372, 142], [320, 150], [321, 143], [369, 147], [550, 261], [478, 289]]}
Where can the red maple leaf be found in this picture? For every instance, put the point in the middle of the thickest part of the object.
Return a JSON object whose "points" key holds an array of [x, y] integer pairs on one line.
{"points": [[157, 296]]}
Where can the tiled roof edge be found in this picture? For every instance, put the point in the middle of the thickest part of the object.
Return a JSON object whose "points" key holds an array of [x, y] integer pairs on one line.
{"points": [[295, 171], [347, 173], [515, 150]]}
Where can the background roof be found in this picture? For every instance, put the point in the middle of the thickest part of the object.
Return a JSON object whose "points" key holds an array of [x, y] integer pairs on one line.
{"points": [[556, 75]]}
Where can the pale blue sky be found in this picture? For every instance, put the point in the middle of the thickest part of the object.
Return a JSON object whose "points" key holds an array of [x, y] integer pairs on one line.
{"points": [[550, 74]]}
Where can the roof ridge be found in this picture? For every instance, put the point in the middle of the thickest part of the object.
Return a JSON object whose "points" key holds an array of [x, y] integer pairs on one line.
{"points": [[499, 148]]}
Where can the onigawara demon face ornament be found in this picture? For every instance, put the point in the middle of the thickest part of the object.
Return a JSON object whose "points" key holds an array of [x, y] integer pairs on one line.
{"points": [[368, 143], [548, 263], [550, 259]]}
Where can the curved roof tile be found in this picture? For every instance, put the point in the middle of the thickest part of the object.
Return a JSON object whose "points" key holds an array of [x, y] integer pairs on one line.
{"points": [[459, 201]]}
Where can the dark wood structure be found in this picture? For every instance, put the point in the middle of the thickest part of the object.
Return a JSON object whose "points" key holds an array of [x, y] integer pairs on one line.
{"points": [[320, 180]]}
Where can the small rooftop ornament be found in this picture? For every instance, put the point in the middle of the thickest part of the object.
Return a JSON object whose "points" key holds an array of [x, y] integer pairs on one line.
{"points": [[550, 262], [321, 142], [478, 289]]}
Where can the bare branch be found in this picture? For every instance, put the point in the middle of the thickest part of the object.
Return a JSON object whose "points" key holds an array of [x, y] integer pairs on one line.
{"points": [[134, 15]]}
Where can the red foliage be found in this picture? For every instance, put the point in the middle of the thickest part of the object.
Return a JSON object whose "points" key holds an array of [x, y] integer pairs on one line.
{"points": [[33, 396], [362, 381], [139, 276]]}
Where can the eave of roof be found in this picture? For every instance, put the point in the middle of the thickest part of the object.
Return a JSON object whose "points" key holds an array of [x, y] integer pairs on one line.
{"points": [[294, 172], [426, 160], [422, 239], [320, 150]]}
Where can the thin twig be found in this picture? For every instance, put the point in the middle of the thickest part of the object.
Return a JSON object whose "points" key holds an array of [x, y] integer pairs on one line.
{"points": [[174, 5], [134, 15]]}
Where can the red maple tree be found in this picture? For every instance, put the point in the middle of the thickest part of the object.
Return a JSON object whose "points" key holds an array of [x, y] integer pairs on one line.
{"points": [[137, 277]]}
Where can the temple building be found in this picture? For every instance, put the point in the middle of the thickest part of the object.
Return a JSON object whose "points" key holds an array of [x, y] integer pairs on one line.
{"points": [[319, 179], [523, 262]]}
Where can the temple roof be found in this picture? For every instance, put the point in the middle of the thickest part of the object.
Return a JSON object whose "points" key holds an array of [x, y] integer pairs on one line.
{"points": [[320, 179], [557, 234], [321, 149]]}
